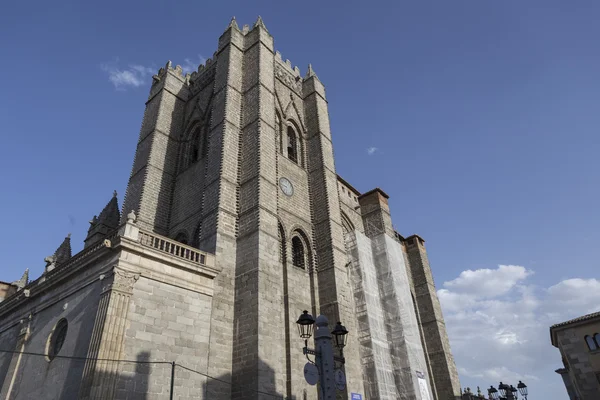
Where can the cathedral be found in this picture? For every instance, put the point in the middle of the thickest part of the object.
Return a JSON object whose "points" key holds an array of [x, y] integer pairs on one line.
{"points": [[234, 221]]}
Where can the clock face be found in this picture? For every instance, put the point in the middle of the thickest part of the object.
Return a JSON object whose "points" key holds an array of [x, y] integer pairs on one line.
{"points": [[286, 186]]}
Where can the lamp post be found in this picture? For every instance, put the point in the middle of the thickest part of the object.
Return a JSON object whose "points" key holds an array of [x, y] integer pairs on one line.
{"points": [[508, 392], [324, 357]]}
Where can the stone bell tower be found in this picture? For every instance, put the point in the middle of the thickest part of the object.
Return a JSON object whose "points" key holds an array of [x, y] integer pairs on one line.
{"points": [[236, 159]]}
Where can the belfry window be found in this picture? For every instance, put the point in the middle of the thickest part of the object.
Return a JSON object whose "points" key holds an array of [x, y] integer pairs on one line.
{"points": [[591, 343], [298, 254], [278, 135], [194, 148], [181, 238], [292, 145], [195, 145]]}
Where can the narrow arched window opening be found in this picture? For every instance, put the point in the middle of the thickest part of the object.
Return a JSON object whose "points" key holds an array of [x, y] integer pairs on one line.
{"points": [[194, 149], [292, 148], [591, 342], [281, 243], [597, 340], [205, 133], [298, 253], [278, 135], [181, 238]]}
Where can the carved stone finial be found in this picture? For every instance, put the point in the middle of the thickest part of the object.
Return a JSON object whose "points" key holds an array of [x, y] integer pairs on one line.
{"points": [[131, 217], [69, 235], [21, 283], [94, 220], [233, 24], [259, 23], [114, 193], [310, 72]]}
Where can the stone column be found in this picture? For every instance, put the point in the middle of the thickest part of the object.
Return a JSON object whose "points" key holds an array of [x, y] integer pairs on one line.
{"points": [[13, 377], [101, 372], [442, 364], [335, 296]]}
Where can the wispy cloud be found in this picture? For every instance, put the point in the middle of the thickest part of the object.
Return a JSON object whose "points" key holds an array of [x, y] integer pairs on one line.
{"points": [[190, 65], [372, 150], [134, 75]]}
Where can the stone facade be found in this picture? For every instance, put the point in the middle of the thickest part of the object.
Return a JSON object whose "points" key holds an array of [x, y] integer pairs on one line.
{"points": [[579, 343], [234, 221]]}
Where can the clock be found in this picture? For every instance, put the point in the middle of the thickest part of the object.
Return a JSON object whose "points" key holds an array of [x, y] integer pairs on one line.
{"points": [[286, 186]]}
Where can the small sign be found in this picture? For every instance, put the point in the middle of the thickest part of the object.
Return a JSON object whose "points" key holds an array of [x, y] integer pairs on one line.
{"points": [[311, 373], [356, 396], [423, 386], [340, 379]]}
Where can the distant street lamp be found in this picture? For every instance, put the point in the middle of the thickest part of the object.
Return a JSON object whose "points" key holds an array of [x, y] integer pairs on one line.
{"points": [[324, 357], [508, 392], [522, 389]]}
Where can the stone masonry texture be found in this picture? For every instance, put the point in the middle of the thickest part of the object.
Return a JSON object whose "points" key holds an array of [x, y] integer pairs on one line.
{"points": [[234, 222]]}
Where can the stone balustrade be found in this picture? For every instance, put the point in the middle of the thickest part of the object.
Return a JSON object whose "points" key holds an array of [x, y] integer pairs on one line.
{"points": [[170, 246]]}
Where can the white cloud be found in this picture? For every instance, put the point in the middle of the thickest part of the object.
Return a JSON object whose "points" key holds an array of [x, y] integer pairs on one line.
{"points": [[371, 150], [488, 282], [190, 65], [498, 323], [136, 75], [133, 76]]}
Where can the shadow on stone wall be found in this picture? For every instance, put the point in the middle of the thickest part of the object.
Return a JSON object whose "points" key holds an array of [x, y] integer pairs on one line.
{"points": [[222, 389]]}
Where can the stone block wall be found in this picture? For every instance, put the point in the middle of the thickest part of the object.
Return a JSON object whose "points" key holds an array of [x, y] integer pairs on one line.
{"points": [[166, 323], [40, 377], [578, 362]]}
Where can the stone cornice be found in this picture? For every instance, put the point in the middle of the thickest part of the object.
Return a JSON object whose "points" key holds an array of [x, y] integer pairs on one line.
{"points": [[126, 241], [55, 277]]}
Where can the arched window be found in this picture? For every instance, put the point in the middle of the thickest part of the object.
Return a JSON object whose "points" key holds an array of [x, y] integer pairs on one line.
{"points": [[194, 147], [597, 340], [591, 342], [281, 243], [292, 145], [298, 253], [347, 225], [181, 238], [205, 133], [278, 136], [57, 339]]}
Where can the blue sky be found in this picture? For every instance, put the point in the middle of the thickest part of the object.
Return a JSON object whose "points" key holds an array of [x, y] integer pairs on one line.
{"points": [[478, 118]]}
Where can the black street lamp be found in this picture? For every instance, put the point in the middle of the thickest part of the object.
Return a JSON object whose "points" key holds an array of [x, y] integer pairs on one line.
{"points": [[306, 322], [513, 390], [493, 393], [324, 355], [341, 335], [508, 392], [502, 389], [522, 389]]}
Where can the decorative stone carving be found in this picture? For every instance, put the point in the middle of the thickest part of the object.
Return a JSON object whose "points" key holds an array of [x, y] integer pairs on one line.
{"points": [[294, 83], [124, 281], [50, 263], [131, 217]]}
